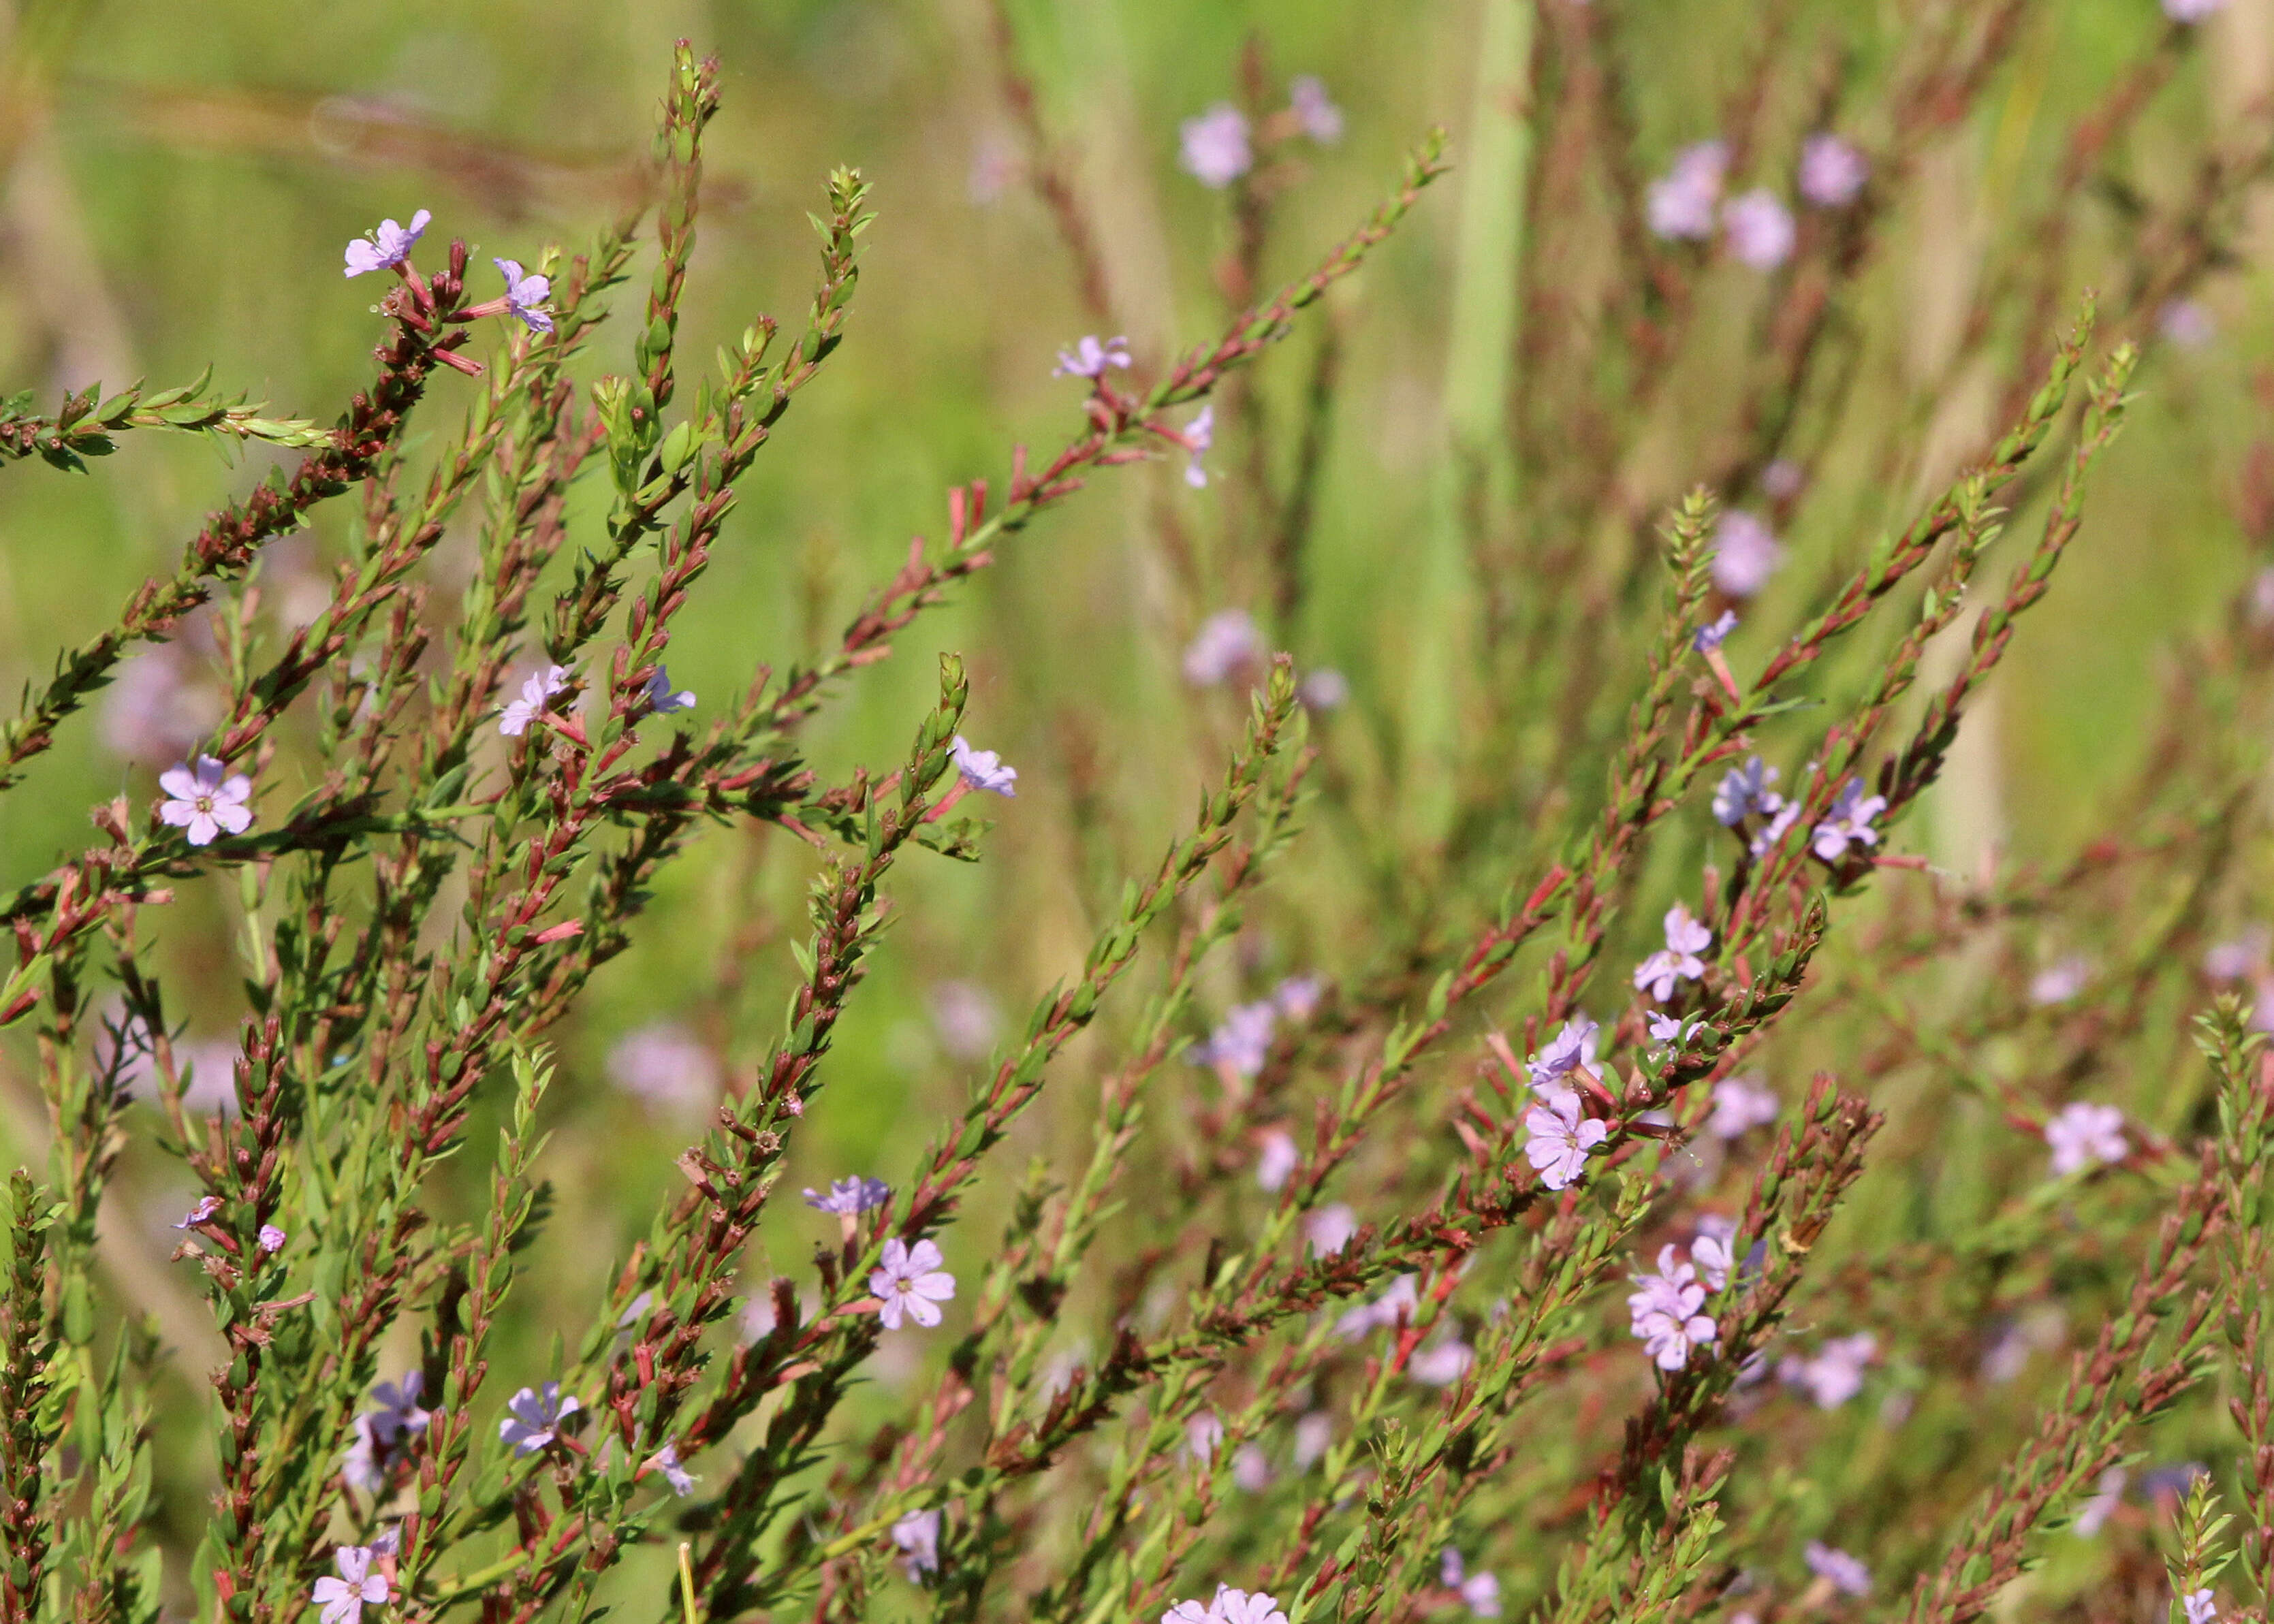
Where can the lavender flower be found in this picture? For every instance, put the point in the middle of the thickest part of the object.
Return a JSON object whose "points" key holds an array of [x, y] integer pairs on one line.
{"points": [[1242, 1041], [1227, 643], [1214, 148], [1560, 1138], [1708, 638], [537, 688], [526, 294], [1199, 436], [388, 247], [2059, 982], [1849, 824], [1324, 689], [1298, 996], [201, 803], [533, 1419], [965, 1018], [2231, 961], [344, 1598], [1228, 1606], [157, 707], [2083, 1134], [983, 769], [660, 699], [1774, 830], [1573, 1049], [202, 1214], [2198, 1604], [1835, 1373], [1744, 792], [1832, 170], [2107, 1495], [1251, 1469], [917, 1537], [1321, 118], [665, 1066], [1740, 1104], [1745, 553], [1664, 1314], [2192, 11], [849, 1198], [1479, 1592], [1203, 1435], [1685, 939], [1443, 1363], [1848, 1575], [1711, 1254], [1759, 229], [1315, 1435], [1329, 1228], [666, 1460], [1090, 356], [398, 1409], [270, 1238], [1680, 206], [1384, 1312], [910, 1281], [1781, 479], [1276, 1157], [2187, 323]]}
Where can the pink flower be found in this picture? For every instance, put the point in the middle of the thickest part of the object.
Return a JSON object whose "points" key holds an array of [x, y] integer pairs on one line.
{"points": [[1321, 118], [1847, 1574], [344, 1598], [271, 1238], [202, 803], [2058, 983], [1745, 553], [1441, 1363], [1090, 356], [2083, 1134], [910, 1281], [1680, 207], [1329, 1228], [1664, 1314], [539, 686], [1832, 171], [1740, 1104], [526, 294], [1835, 1373], [1229, 1606], [385, 249], [1214, 147], [1685, 939], [1759, 229], [983, 769], [917, 1537], [1276, 1158], [2192, 11], [965, 1018], [1199, 436], [1251, 1469], [1479, 1592], [1560, 1137], [665, 1066], [1228, 643]]}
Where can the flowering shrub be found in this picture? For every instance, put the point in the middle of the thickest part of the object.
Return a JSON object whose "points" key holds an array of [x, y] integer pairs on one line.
{"points": [[1306, 1302]]}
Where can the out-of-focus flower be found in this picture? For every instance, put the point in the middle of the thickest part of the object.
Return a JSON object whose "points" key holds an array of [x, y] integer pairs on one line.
{"points": [[397, 1408], [1321, 118], [2262, 597], [1242, 1040], [1251, 1469], [660, 699], [1774, 830], [1203, 1435], [1314, 1433], [2231, 961], [2107, 1495], [526, 294], [916, 1535], [1759, 229], [983, 769], [849, 1196], [1090, 356], [666, 1460], [1849, 824], [536, 688], [1835, 1373], [1214, 147], [2187, 323], [1443, 1363], [1479, 1592], [2058, 983], [994, 167], [1276, 1158], [965, 1018], [1227, 644], [533, 1418], [1832, 170], [2082, 1134], [665, 1065], [1672, 1032], [1745, 553], [1680, 205], [204, 800], [1324, 689], [156, 708], [1711, 1254], [1296, 997], [2192, 11], [1848, 1575], [1199, 436], [1685, 939], [1229, 1606], [1780, 480], [1558, 1139], [387, 247], [1328, 1229], [908, 1280], [1570, 1049], [1740, 1104], [1383, 1313], [1744, 791], [1708, 638], [344, 1598]]}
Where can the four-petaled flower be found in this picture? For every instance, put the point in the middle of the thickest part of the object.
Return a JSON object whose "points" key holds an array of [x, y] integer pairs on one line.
{"points": [[526, 294], [848, 1197], [202, 803], [1705, 639], [1832, 171], [660, 699], [1560, 1137], [1685, 939], [537, 688], [1199, 435], [533, 1419], [1847, 1574], [2083, 1134], [1744, 791], [982, 768], [1090, 356], [388, 247], [917, 1537], [910, 1281], [344, 1598], [1214, 147], [1849, 824]]}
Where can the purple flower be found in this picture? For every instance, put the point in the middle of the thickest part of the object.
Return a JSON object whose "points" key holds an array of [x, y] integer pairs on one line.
{"points": [[1314, 1434], [1686, 938], [1711, 1253], [203, 1212], [965, 1018], [1227, 643], [1664, 1314], [910, 1281], [2058, 983], [344, 1598], [1573, 1049], [1229, 1606], [525, 295], [539, 686], [666, 1460], [1321, 118], [1384, 1312], [533, 1419], [849, 1196], [398, 1410], [1775, 830], [156, 706], [1847, 1574], [916, 1537], [270, 1238], [1672, 1031], [665, 1066], [1741, 1103], [1849, 824], [2192, 11], [1203, 1435], [1708, 638], [1251, 1469], [1680, 207], [1214, 147], [1832, 170], [1479, 1592], [2186, 323], [1090, 356], [2200, 1608], [202, 803], [2084, 1134], [1759, 229], [1443, 1363], [2231, 961], [1242, 1041], [1298, 996], [1745, 553], [388, 247], [1324, 689], [660, 699], [1200, 434], [983, 769], [1560, 1138], [2107, 1495], [359, 1462], [1276, 1157], [1329, 1228], [1744, 791], [1835, 1374]]}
